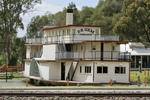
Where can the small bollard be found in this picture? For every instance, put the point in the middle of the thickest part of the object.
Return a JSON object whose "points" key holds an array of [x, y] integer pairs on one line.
{"points": [[144, 72], [139, 68], [148, 72], [138, 82], [67, 82], [78, 84], [145, 83], [111, 82], [27, 82]]}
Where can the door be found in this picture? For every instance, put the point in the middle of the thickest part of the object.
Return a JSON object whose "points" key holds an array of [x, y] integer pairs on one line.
{"points": [[62, 70]]}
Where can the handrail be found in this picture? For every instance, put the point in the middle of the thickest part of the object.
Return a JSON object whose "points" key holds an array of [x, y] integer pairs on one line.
{"points": [[72, 38], [74, 71], [96, 55], [69, 71]]}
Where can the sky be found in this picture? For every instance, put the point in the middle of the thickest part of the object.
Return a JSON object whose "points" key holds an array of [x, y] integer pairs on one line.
{"points": [[52, 6]]}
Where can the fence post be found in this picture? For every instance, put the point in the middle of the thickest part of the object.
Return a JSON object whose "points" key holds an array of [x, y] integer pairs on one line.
{"points": [[111, 82], [148, 72], [67, 82], [145, 83], [6, 74], [144, 72], [140, 68], [26, 82]]}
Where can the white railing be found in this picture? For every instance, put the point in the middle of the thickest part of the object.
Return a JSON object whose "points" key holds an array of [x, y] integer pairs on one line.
{"points": [[95, 55], [35, 55], [72, 39]]}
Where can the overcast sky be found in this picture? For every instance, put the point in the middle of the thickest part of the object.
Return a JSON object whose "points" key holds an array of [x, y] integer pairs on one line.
{"points": [[53, 6]]}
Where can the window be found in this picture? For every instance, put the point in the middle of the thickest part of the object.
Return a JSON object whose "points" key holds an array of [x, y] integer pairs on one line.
{"points": [[120, 70], [81, 48], [73, 31], [64, 32], [101, 69], [68, 31], [113, 48], [87, 69], [55, 32], [93, 47], [80, 69], [76, 48], [97, 31]]}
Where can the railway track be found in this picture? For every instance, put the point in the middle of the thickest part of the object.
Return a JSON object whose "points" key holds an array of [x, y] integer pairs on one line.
{"points": [[75, 93], [72, 95]]}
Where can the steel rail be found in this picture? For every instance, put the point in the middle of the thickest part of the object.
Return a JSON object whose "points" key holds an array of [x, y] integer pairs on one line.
{"points": [[76, 94]]}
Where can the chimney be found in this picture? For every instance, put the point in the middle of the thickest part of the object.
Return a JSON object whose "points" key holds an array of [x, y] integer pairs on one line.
{"points": [[69, 17]]}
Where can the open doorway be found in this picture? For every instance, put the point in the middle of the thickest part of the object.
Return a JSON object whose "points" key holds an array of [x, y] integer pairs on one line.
{"points": [[62, 70]]}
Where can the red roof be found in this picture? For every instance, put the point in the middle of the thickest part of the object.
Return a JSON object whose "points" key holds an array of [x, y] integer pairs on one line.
{"points": [[71, 26]]}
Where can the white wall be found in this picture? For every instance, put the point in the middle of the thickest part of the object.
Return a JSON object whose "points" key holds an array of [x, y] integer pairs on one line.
{"points": [[44, 70], [54, 71], [134, 51], [105, 78], [49, 52], [102, 78], [28, 51], [83, 77], [27, 69]]}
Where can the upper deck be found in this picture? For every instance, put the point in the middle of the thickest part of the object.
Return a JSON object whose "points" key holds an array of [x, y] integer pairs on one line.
{"points": [[72, 34]]}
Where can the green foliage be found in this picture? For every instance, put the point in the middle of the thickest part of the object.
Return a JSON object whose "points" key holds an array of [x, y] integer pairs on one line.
{"points": [[2, 62], [134, 76], [10, 21], [106, 13], [18, 52], [135, 21], [33, 28]]}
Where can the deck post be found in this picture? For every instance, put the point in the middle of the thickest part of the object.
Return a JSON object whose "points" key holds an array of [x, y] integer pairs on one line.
{"points": [[6, 74], [139, 68], [111, 82], [145, 83], [67, 82], [26, 82]]}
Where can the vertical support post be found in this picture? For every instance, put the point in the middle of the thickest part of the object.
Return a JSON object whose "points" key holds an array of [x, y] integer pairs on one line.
{"points": [[145, 83], [67, 82], [6, 74], [135, 62], [148, 72], [91, 51], [144, 72], [111, 55], [27, 82], [138, 82], [111, 82], [141, 62], [139, 68]]}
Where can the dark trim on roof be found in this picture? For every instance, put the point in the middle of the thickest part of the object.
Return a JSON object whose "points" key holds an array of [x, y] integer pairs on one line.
{"points": [[33, 44], [71, 26]]}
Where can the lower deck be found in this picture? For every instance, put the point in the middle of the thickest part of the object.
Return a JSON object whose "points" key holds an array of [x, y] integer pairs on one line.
{"points": [[79, 71]]}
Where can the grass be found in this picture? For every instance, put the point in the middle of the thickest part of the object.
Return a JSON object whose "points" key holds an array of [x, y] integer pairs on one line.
{"points": [[14, 74], [134, 76]]}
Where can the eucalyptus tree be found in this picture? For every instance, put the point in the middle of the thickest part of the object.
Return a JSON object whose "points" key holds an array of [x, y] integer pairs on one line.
{"points": [[33, 28], [11, 21], [135, 22]]}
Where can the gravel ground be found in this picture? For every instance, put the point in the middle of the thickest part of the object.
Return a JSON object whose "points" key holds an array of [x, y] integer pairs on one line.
{"points": [[73, 98]]}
